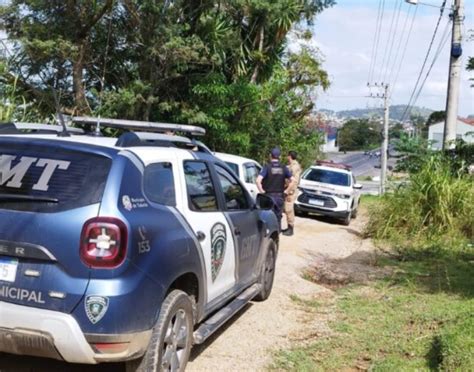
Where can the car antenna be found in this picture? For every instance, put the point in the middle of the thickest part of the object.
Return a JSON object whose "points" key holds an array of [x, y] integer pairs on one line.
{"points": [[59, 115]]}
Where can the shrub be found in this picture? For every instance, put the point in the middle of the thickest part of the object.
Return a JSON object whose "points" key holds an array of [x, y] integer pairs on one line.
{"points": [[433, 210]]}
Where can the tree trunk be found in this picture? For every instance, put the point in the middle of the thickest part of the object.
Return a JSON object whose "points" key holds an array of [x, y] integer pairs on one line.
{"points": [[261, 36], [80, 100]]}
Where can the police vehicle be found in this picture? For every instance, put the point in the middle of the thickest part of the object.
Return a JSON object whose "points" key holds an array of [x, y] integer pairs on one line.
{"points": [[246, 169], [328, 189], [124, 249]]}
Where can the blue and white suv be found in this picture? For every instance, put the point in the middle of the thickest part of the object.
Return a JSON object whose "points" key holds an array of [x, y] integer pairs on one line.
{"points": [[124, 249]]}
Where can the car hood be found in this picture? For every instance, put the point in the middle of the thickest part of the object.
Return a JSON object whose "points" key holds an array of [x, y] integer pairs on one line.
{"points": [[325, 187]]}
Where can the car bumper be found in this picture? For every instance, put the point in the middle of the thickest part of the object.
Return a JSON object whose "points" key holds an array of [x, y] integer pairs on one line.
{"points": [[51, 334], [320, 211]]}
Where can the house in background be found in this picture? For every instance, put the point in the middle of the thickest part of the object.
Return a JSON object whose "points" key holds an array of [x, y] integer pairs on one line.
{"points": [[464, 131]]}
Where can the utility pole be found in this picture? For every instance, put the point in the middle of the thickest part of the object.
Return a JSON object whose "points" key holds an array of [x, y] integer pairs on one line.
{"points": [[454, 80], [384, 150], [384, 133]]}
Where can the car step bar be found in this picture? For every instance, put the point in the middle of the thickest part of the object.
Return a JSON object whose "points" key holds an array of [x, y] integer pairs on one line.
{"points": [[211, 325]]}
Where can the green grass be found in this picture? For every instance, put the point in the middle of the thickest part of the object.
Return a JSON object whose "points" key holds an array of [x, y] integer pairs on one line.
{"points": [[418, 318]]}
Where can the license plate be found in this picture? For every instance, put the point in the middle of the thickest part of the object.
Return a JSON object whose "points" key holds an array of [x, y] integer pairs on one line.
{"points": [[316, 202], [8, 268]]}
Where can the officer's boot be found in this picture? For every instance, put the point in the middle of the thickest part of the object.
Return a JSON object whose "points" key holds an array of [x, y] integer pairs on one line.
{"points": [[288, 231]]}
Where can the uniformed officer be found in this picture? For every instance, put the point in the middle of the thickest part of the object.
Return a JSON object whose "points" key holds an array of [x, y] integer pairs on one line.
{"points": [[271, 181], [291, 193]]}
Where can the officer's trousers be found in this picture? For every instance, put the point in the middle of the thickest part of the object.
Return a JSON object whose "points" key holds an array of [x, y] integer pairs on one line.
{"points": [[290, 209], [278, 201]]}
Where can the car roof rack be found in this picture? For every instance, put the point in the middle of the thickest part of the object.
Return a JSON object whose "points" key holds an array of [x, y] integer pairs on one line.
{"points": [[145, 139], [135, 125], [28, 128], [332, 164]]}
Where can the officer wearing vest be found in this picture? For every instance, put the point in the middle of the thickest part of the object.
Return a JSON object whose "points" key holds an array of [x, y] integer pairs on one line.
{"points": [[271, 181]]}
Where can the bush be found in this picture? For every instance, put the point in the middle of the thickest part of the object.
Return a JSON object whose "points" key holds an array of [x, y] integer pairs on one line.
{"points": [[433, 210], [456, 346]]}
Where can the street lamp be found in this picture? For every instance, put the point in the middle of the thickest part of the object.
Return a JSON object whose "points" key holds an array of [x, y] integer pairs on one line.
{"points": [[416, 2]]}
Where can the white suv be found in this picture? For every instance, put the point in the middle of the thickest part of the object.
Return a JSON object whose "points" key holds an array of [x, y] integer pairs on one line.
{"points": [[246, 169], [328, 189]]}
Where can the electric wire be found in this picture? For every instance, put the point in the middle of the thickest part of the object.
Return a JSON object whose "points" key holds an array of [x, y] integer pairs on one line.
{"points": [[399, 45], [378, 39], [369, 77], [442, 43], [391, 36], [389, 59], [395, 81], [425, 60]]}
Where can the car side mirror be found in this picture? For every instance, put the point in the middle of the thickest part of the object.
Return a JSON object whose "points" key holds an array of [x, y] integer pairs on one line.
{"points": [[357, 186], [264, 202]]}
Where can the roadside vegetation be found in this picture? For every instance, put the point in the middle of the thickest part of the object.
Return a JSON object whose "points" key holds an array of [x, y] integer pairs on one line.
{"points": [[417, 312]]}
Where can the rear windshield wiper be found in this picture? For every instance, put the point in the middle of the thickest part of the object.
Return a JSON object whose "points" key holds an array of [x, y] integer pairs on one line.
{"points": [[27, 198]]}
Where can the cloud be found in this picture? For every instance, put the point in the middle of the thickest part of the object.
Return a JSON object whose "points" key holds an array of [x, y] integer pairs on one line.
{"points": [[345, 36]]}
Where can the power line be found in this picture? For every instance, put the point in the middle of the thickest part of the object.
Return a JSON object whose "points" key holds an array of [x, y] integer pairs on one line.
{"points": [[444, 38], [378, 39], [425, 60], [392, 44], [369, 78], [394, 84], [390, 38]]}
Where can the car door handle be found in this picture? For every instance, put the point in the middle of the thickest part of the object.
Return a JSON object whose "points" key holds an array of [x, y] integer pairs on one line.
{"points": [[237, 231], [201, 236]]}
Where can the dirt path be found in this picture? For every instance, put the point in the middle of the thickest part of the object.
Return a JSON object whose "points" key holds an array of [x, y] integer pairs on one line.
{"points": [[248, 341]]}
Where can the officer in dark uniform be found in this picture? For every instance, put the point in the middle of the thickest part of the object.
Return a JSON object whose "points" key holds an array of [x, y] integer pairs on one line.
{"points": [[271, 181]]}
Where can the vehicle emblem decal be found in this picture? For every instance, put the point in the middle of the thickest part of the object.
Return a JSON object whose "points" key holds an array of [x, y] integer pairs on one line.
{"points": [[96, 307], [218, 245], [127, 203]]}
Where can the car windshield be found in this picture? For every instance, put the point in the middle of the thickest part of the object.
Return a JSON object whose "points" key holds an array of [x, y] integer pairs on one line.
{"points": [[327, 176]]}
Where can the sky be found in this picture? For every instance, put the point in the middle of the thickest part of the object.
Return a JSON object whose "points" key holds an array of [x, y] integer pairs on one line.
{"points": [[344, 35]]}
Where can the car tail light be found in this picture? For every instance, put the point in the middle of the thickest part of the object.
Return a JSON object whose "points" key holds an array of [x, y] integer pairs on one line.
{"points": [[103, 242]]}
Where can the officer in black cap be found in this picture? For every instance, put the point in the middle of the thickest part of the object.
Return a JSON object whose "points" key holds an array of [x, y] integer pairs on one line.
{"points": [[271, 181]]}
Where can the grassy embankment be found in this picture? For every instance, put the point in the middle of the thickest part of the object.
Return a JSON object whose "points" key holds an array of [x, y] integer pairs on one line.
{"points": [[420, 316]]}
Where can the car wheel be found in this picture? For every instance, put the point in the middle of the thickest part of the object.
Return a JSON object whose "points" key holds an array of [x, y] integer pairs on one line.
{"points": [[172, 337], [347, 220], [354, 212], [267, 274]]}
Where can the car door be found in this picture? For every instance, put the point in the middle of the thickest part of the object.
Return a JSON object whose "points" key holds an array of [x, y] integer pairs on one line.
{"points": [[250, 173], [244, 221], [211, 228]]}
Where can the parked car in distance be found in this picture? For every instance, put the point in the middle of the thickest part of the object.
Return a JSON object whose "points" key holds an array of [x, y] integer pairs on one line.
{"points": [[127, 249], [246, 169], [328, 189]]}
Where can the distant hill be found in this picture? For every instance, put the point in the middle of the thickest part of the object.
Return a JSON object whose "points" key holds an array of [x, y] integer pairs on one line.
{"points": [[396, 112]]}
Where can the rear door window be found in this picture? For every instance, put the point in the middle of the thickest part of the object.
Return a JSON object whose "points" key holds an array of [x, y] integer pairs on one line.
{"points": [[40, 179], [201, 192], [159, 184]]}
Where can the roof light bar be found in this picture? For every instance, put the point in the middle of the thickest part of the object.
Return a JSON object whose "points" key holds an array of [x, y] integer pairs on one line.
{"points": [[139, 125], [45, 128], [330, 163]]}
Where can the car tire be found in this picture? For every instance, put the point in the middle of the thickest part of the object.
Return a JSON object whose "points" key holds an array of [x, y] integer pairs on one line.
{"points": [[267, 273], [354, 213], [347, 220], [172, 337]]}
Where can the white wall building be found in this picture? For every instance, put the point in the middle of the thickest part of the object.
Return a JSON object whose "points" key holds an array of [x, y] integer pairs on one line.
{"points": [[464, 131]]}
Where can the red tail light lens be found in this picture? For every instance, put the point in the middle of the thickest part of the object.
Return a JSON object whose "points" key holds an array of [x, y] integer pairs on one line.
{"points": [[103, 242]]}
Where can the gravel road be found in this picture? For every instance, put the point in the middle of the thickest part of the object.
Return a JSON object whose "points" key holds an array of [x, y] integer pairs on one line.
{"points": [[248, 341]]}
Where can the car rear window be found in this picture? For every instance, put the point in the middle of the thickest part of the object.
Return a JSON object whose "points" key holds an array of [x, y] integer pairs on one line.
{"points": [[327, 176], [50, 179], [234, 167]]}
